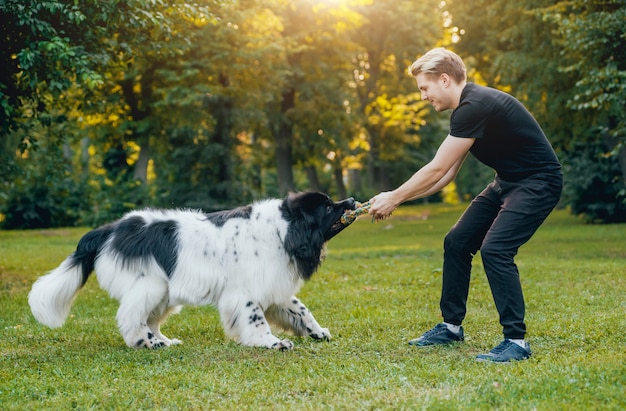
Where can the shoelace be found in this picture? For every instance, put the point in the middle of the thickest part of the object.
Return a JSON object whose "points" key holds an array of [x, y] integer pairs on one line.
{"points": [[502, 347], [432, 332]]}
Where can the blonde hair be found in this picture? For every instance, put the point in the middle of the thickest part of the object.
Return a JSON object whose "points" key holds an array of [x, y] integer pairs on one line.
{"points": [[438, 61]]}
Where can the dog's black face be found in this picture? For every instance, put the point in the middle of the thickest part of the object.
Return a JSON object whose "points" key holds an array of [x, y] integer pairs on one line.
{"points": [[332, 219], [313, 220], [321, 211]]}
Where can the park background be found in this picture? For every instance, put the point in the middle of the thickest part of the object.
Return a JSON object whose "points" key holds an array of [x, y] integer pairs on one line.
{"points": [[110, 106], [107, 106]]}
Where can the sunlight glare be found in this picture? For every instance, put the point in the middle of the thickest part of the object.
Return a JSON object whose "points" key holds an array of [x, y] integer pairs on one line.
{"points": [[329, 2]]}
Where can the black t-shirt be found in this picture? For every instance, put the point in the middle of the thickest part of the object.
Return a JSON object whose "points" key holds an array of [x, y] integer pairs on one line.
{"points": [[508, 138]]}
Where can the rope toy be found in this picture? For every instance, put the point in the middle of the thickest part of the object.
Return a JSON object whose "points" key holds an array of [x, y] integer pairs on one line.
{"points": [[350, 215]]}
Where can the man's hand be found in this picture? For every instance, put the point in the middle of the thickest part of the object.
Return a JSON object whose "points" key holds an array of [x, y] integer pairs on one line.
{"points": [[383, 205]]}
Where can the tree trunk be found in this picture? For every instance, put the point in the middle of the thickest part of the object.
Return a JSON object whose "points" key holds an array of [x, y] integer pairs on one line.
{"points": [[341, 187], [622, 161], [140, 109], [84, 155], [613, 144], [376, 174], [355, 181], [141, 166], [314, 181], [223, 128], [284, 148]]}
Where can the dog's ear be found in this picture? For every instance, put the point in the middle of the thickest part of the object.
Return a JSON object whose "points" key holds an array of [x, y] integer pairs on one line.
{"points": [[304, 240], [292, 203], [307, 202]]}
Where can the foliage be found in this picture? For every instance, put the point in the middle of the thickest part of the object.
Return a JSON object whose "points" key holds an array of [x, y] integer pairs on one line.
{"points": [[112, 198], [386, 96], [594, 185], [39, 63], [593, 43], [48, 195], [195, 178], [35, 204], [594, 48], [40, 56], [218, 102], [243, 58], [378, 288]]}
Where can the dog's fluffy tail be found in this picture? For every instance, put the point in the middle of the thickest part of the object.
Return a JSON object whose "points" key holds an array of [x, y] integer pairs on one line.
{"points": [[52, 295]]}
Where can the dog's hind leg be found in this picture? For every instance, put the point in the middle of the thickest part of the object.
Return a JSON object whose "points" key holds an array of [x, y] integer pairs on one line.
{"points": [[145, 295], [297, 318], [244, 321]]}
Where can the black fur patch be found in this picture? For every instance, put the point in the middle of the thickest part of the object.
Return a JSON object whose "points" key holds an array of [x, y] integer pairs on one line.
{"points": [[88, 248], [312, 219], [219, 218], [134, 239]]}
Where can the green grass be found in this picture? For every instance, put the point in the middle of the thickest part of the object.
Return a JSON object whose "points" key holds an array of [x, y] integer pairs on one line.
{"points": [[378, 288]]}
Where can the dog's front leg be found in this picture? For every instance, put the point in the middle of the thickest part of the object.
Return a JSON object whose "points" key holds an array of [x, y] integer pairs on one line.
{"points": [[246, 323], [296, 317]]}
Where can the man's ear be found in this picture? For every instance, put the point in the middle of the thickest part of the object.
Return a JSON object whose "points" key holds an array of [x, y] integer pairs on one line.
{"points": [[445, 79]]}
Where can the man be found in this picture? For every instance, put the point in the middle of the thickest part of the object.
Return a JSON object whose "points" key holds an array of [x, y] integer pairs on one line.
{"points": [[501, 133]]}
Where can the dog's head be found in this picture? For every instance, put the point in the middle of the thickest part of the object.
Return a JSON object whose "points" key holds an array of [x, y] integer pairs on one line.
{"points": [[313, 220], [318, 211]]}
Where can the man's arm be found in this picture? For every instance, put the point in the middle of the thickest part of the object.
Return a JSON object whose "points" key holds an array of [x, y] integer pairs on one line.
{"points": [[447, 179], [431, 178]]}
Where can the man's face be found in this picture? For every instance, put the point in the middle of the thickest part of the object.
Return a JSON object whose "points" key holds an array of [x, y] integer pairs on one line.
{"points": [[436, 90]]}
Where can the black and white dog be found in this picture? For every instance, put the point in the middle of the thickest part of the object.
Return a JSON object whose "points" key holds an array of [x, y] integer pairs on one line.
{"points": [[248, 262]]}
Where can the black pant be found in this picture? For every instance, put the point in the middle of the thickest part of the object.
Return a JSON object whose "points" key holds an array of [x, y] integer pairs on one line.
{"points": [[497, 222]]}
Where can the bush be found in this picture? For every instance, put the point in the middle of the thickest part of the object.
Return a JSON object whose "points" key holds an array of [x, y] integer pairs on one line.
{"points": [[113, 198], [39, 203], [594, 184]]}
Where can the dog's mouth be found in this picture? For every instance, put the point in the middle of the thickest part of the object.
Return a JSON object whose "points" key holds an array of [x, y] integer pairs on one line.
{"points": [[335, 229], [341, 223]]}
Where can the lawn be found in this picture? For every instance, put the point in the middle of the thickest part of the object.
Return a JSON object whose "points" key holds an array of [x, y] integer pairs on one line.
{"points": [[378, 288]]}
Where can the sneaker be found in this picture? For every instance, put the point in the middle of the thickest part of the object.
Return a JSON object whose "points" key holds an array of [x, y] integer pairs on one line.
{"points": [[506, 351], [440, 334]]}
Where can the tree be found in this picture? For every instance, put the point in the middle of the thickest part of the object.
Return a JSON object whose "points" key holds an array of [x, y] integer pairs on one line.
{"points": [[240, 61], [393, 34], [593, 40], [60, 53], [316, 120], [40, 57], [41, 63], [312, 98]]}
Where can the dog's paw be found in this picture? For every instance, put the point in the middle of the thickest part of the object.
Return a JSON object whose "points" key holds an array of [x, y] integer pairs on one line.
{"points": [[176, 341], [283, 345], [150, 341], [322, 334]]}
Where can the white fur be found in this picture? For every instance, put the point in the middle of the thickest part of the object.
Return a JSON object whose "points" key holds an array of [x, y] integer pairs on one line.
{"points": [[52, 295]]}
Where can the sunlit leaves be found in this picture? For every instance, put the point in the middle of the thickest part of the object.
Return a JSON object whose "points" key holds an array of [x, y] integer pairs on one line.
{"points": [[594, 44]]}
